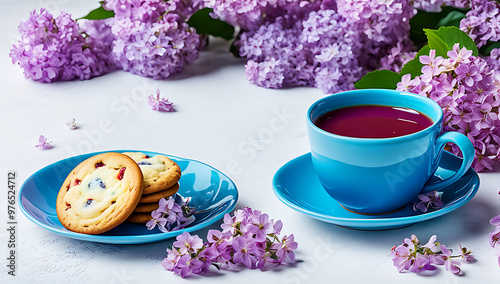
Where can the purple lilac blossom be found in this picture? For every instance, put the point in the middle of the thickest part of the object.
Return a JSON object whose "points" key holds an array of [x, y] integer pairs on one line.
{"points": [[43, 144], [320, 50], [170, 215], [187, 243], [160, 104], [382, 25], [450, 264], [98, 34], [158, 50], [52, 49], [407, 257], [246, 251], [324, 44], [152, 38], [152, 10], [468, 90], [248, 238], [274, 57], [71, 123], [414, 257], [481, 22], [466, 254], [493, 59], [260, 227], [250, 15], [428, 200], [397, 57], [335, 50], [285, 248]]}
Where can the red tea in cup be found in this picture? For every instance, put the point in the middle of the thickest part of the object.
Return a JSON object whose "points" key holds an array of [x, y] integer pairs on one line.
{"points": [[373, 121]]}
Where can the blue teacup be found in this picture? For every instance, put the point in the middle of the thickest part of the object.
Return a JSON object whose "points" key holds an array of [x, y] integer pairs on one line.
{"points": [[381, 175]]}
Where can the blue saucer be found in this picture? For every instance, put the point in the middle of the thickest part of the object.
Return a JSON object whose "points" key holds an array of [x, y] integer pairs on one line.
{"points": [[210, 190], [297, 185]]}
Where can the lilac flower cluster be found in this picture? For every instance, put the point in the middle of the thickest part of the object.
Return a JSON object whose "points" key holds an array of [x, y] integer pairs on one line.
{"points": [[493, 59], [324, 44], [172, 214], [383, 24], [414, 257], [97, 33], [319, 51], [250, 15], [468, 90], [495, 235], [152, 38], [248, 239], [428, 200], [52, 49], [396, 58], [481, 23], [335, 50]]}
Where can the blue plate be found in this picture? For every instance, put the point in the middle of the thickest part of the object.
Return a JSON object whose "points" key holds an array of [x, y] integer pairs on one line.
{"points": [[297, 185], [208, 188]]}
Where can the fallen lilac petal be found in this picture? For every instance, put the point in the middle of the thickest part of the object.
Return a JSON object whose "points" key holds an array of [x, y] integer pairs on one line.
{"points": [[495, 221], [160, 104], [421, 263], [43, 144], [432, 244], [451, 265], [71, 123], [466, 254], [428, 200], [495, 237]]}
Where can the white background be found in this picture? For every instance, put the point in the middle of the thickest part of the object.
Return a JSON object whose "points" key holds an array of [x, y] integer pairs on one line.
{"points": [[221, 120]]}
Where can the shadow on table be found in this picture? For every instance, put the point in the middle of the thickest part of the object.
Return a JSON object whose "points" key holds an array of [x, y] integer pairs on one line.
{"points": [[456, 227], [214, 57]]}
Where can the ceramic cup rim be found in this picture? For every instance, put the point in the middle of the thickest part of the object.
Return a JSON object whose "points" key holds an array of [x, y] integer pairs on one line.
{"points": [[436, 116]]}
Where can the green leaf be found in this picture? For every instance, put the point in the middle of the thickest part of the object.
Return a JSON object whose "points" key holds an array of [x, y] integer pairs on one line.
{"points": [[423, 20], [380, 79], [414, 67], [452, 19], [452, 35], [436, 43], [234, 50], [433, 20], [206, 25], [98, 14], [486, 49]]}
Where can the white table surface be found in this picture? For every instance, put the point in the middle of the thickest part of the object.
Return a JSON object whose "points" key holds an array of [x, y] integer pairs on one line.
{"points": [[221, 120]]}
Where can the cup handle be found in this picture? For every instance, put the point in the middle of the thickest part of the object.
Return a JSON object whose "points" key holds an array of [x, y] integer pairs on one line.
{"points": [[468, 154]]}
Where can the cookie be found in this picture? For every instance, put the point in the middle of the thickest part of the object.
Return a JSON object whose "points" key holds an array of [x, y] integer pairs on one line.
{"points": [[100, 193], [155, 197], [146, 207], [140, 218], [159, 171]]}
